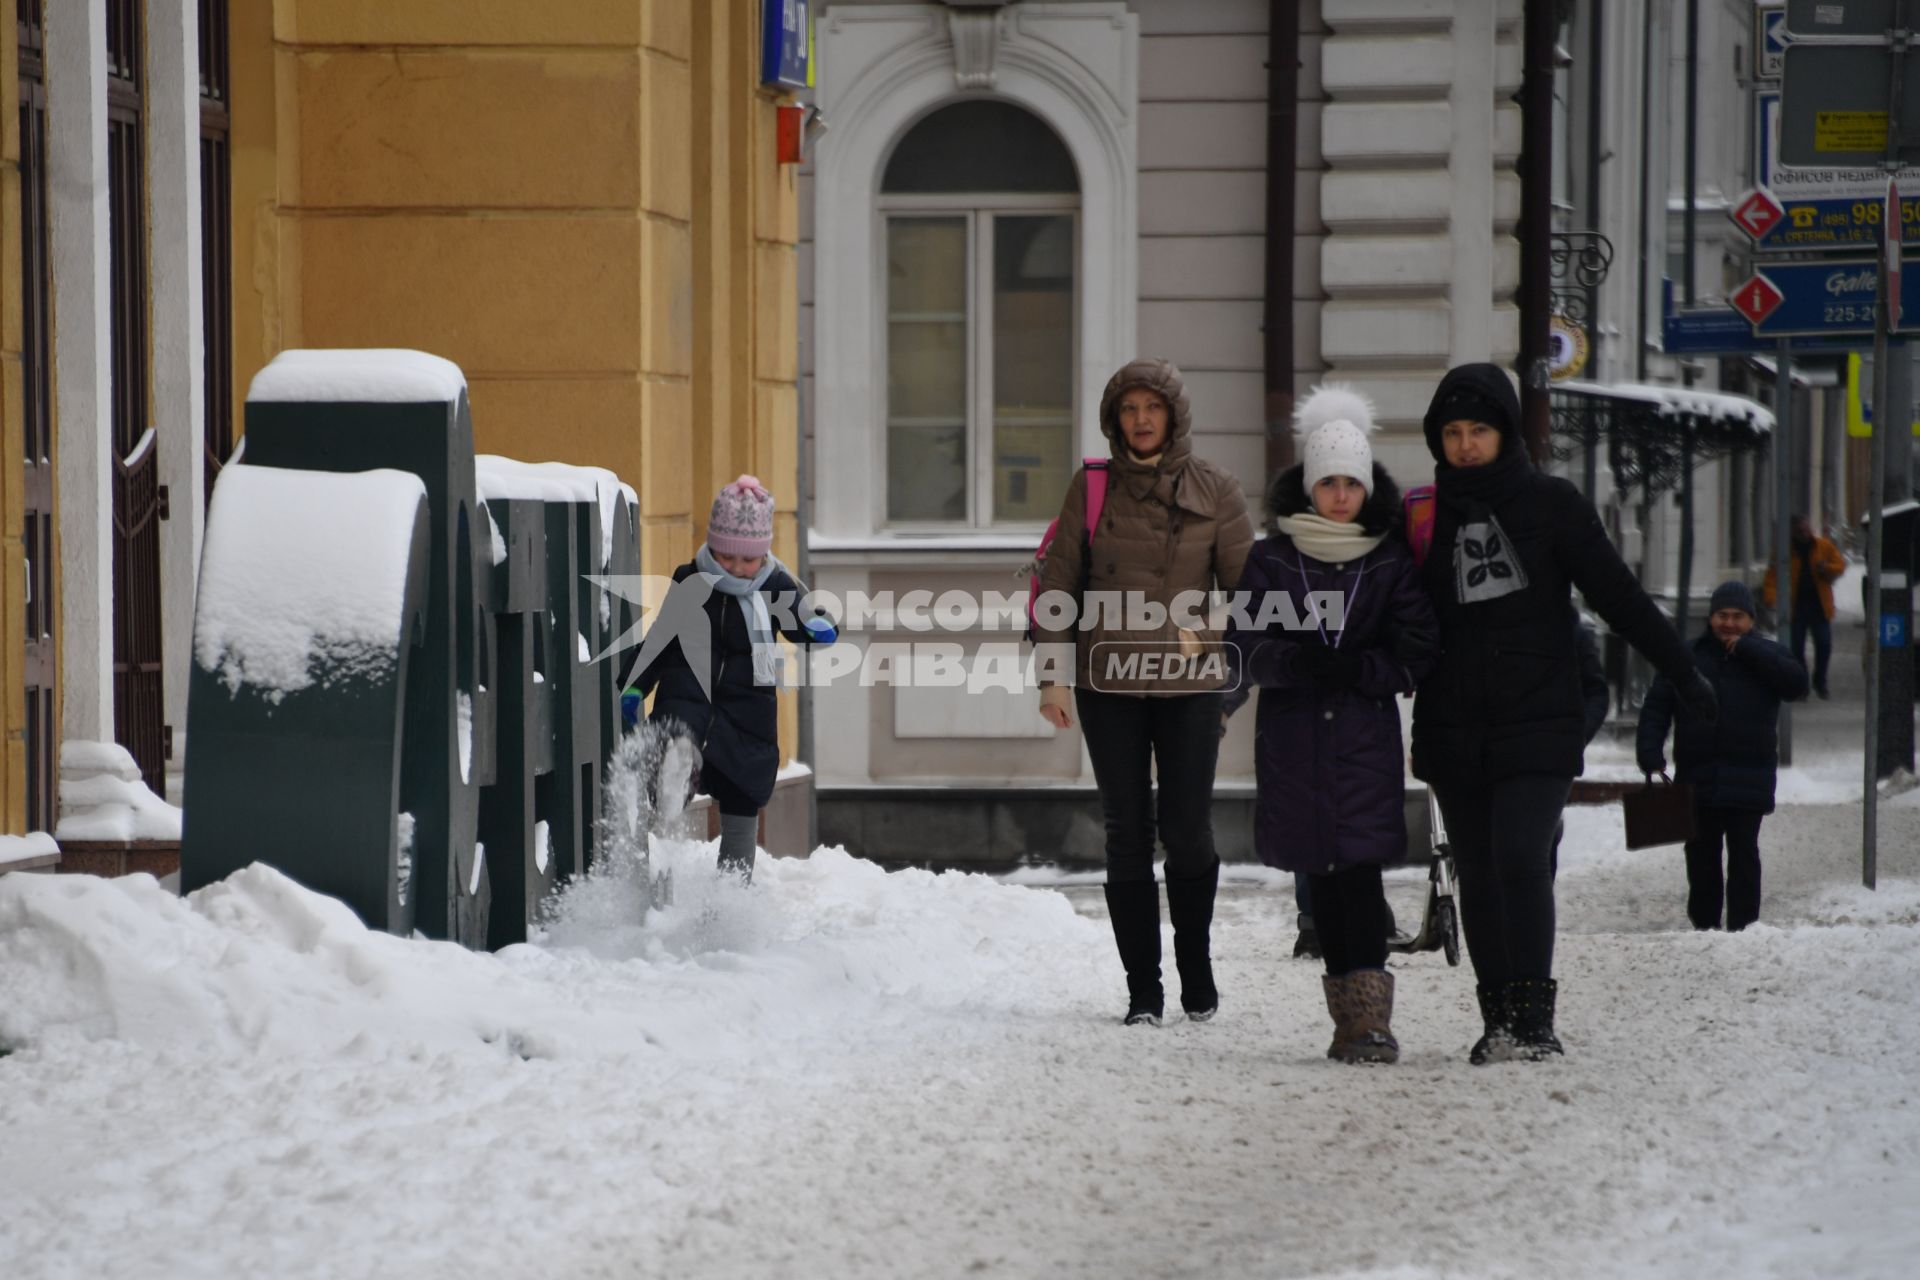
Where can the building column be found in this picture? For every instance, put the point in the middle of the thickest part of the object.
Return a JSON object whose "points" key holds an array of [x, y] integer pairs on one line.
{"points": [[179, 357], [1419, 198], [76, 63]]}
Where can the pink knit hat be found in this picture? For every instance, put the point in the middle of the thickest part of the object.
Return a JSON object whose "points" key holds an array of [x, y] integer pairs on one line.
{"points": [[741, 523]]}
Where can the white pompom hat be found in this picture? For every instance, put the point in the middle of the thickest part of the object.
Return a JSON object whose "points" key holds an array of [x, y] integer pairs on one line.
{"points": [[1333, 424]]}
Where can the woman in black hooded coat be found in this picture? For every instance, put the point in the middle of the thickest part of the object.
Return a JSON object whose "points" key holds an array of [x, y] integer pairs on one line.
{"points": [[1498, 728]]}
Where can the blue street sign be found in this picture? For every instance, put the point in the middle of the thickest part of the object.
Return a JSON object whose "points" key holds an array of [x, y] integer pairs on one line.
{"points": [[1722, 331], [786, 49], [1769, 57], [1831, 299], [1825, 208], [1893, 631]]}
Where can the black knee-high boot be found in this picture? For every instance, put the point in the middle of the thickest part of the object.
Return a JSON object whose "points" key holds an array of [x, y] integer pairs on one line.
{"points": [[1190, 908], [1135, 908]]}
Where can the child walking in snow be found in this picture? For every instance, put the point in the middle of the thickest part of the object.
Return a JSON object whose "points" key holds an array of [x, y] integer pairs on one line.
{"points": [[1732, 762], [1327, 750], [715, 672]]}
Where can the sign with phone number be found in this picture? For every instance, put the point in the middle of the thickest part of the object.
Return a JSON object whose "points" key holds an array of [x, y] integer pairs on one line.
{"points": [[1830, 298], [1837, 224]]}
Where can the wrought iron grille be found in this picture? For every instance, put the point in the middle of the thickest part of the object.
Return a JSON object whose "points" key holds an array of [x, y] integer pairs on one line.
{"points": [[138, 710], [216, 240], [1579, 262]]}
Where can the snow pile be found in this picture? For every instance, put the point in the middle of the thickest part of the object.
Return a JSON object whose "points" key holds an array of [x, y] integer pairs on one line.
{"points": [[371, 375], [840, 1071], [102, 797], [258, 965], [304, 575]]}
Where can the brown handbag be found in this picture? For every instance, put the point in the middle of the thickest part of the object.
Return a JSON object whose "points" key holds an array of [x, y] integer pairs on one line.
{"points": [[1658, 813]]}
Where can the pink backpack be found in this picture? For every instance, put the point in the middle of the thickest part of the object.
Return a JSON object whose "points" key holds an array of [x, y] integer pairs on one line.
{"points": [[1096, 502], [1419, 508]]}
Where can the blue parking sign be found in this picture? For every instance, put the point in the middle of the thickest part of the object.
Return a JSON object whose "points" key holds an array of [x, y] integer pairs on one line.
{"points": [[1893, 631]]}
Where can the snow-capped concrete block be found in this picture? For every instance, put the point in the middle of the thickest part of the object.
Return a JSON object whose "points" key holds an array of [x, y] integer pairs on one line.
{"points": [[1385, 331], [1386, 131], [1387, 66]]}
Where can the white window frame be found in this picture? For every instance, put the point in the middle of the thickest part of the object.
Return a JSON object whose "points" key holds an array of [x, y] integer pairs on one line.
{"points": [[884, 67], [980, 210]]}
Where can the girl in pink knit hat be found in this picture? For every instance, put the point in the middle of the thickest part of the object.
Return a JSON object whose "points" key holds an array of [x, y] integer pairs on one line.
{"points": [[724, 698]]}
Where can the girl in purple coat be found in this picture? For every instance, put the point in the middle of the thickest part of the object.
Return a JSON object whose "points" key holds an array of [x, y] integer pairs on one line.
{"points": [[1331, 625]]}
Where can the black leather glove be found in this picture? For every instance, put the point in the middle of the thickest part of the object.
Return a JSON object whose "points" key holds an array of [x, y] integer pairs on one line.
{"points": [[1697, 699]]}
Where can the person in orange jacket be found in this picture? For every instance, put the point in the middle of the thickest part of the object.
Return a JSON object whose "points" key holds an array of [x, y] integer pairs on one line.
{"points": [[1815, 566]]}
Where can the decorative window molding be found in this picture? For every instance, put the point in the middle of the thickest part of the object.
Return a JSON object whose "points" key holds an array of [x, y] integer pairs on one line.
{"points": [[884, 67]]}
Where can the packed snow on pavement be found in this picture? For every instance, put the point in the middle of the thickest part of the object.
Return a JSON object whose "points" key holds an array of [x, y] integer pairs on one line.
{"points": [[847, 1072]]}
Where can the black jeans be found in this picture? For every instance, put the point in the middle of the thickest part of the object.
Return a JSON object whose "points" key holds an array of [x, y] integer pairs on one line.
{"points": [[1350, 913], [1813, 622], [1129, 739], [1502, 837], [1740, 828]]}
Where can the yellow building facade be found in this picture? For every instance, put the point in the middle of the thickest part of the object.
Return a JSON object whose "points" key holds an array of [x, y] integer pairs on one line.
{"points": [[579, 202]]}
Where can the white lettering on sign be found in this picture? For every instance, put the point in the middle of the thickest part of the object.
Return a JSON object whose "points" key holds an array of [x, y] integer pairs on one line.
{"points": [[1841, 282], [1831, 14]]}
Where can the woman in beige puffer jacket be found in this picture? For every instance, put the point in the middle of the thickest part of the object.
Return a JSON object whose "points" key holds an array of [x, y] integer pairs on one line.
{"points": [[1173, 529]]}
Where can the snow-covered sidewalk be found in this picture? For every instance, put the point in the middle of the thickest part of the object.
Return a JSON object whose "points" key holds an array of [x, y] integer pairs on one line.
{"points": [[842, 1072]]}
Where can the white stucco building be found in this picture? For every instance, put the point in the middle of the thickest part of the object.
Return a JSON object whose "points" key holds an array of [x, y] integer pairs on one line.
{"points": [[962, 306]]}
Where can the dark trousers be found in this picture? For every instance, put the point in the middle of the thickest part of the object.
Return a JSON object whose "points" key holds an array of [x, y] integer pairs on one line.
{"points": [[1502, 836], [1740, 886], [1350, 913], [1128, 739], [726, 794], [1813, 622]]}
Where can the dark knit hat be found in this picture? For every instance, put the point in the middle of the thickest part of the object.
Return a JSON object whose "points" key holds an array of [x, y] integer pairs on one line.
{"points": [[1476, 393], [1733, 594]]}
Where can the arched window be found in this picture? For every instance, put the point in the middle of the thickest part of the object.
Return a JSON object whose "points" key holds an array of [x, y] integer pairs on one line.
{"points": [[980, 200]]}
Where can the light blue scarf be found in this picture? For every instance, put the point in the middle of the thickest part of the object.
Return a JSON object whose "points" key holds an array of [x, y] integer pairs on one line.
{"points": [[766, 647]]}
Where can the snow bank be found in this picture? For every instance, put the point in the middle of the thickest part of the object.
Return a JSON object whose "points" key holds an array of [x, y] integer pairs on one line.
{"points": [[304, 575], [371, 375], [256, 964]]}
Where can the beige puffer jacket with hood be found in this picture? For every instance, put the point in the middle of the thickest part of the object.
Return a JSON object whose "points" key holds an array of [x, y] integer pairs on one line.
{"points": [[1174, 525]]}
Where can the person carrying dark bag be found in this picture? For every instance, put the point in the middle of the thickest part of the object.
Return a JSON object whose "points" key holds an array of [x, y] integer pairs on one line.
{"points": [[1732, 762], [1499, 728]]}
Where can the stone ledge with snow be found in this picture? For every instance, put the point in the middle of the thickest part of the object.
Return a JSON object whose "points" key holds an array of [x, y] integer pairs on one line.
{"points": [[103, 798]]}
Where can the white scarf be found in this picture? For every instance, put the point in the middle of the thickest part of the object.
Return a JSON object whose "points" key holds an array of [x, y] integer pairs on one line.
{"points": [[766, 652], [1328, 541]]}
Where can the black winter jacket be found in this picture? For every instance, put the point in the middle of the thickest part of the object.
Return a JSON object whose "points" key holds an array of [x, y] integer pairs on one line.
{"points": [[1506, 698], [738, 730], [1734, 762]]}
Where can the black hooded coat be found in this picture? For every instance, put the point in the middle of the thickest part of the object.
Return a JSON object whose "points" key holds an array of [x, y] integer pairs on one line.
{"points": [[1506, 696]]}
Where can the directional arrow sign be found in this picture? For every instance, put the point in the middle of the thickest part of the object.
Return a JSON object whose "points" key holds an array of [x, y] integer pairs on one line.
{"points": [[1758, 213], [1757, 299]]}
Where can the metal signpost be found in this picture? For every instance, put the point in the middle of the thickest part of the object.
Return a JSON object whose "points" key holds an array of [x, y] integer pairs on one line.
{"points": [[1844, 103]]}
